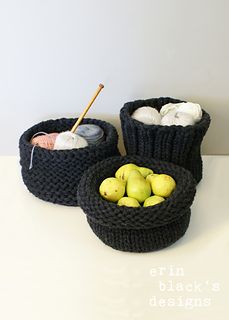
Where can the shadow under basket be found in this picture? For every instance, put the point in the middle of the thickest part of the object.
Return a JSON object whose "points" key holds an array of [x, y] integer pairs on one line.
{"points": [[55, 174], [176, 144], [140, 229]]}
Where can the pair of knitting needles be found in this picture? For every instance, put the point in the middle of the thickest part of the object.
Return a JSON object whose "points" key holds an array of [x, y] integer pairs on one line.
{"points": [[77, 123]]}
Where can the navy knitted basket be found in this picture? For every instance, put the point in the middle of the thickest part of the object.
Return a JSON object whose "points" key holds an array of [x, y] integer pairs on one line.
{"points": [[55, 174], [137, 229], [176, 144]]}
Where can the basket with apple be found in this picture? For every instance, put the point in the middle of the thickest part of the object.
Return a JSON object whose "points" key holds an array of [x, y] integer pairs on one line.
{"points": [[137, 204]]}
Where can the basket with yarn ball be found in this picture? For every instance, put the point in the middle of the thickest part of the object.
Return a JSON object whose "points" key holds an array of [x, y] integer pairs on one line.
{"points": [[53, 158], [123, 211], [167, 129]]}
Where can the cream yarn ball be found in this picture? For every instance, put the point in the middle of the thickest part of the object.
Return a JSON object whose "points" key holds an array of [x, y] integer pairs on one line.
{"points": [[183, 119], [183, 114], [174, 117], [167, 108], [69, 140], [147, 115], [177, 118], [192, 109], [169, 118]]}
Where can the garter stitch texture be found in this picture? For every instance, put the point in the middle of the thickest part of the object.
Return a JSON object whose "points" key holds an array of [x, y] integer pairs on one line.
{"points": [[176, 144], [55, 174], [137, 229]]}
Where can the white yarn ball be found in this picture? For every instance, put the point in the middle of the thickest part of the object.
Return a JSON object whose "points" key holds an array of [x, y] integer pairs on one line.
{"points": [[167, 108], [169, 118], [69, 140], [147, 115], [183, 119], [193, 109], [177, 118]]}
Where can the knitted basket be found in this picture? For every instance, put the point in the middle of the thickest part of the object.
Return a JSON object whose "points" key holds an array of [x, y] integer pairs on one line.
{"points": [[176, 144], [55, 174], [137, 229]]}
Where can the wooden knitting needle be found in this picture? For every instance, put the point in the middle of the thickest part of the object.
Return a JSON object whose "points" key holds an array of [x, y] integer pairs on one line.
{"points": [[101, 86]]}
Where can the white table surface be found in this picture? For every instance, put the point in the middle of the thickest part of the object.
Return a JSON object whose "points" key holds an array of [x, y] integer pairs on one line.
{"points": [[52, 266]]}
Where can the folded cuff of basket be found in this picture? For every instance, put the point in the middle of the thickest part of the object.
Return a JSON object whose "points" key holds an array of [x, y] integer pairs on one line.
{"points": [[143, 240]]}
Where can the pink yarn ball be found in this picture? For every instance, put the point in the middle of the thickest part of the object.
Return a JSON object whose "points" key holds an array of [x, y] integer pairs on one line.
{"points": [[45, 141]]}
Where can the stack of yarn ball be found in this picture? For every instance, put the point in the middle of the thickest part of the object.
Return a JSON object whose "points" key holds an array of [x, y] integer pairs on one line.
{"points": [[179, 114], [86, 134]]}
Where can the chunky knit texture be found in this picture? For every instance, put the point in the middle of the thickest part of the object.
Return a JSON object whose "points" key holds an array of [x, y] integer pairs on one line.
{"points": [[137, 229], [176, 144], [55, 174]]}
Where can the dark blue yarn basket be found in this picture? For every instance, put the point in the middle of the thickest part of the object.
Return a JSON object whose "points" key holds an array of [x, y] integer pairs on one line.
{"points": [[176, 144], [55, 174]]}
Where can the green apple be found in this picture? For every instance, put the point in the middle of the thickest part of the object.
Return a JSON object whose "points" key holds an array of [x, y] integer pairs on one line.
{"points": [[123, 172], [151, 176], [128, 202], [137, 187], [152, 201], [145, 171], [112, 189], [163, 185]]}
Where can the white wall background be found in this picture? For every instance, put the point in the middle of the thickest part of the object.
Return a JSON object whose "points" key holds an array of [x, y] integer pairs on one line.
{"points": [[53, 54]]}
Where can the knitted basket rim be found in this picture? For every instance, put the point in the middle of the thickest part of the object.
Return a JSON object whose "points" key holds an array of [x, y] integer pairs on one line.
{"points": [[149, 102], [27, 135], [111, 215]]}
